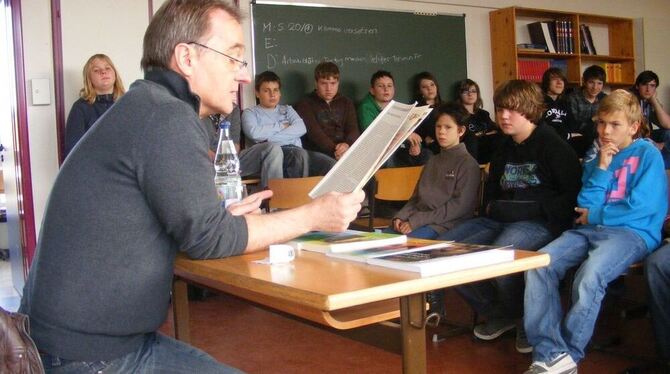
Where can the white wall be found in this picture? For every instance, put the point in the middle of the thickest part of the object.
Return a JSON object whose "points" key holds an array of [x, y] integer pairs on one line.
{"points": [[86, 33], [113, 27], [37, 48]]}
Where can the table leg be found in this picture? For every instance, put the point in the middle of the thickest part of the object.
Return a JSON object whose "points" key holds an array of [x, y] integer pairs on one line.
{"points": [[412, 316], [180, 315]]}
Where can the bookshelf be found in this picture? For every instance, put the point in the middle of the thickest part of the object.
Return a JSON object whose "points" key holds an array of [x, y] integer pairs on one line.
{"points": [[612, 36]]}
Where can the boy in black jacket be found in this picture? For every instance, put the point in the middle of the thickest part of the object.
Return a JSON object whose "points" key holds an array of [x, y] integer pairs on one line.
{"points": [[529, 196]]}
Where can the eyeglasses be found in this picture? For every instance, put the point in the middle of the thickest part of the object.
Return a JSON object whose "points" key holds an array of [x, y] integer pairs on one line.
{"points": [[465, 92], [242, 64]]}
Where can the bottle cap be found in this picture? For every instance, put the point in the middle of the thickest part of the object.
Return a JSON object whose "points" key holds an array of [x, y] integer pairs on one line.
{"points": [[225, 124]]}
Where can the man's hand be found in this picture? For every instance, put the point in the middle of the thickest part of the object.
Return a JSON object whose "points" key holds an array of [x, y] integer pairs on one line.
{"points": [[250, 204], [334, 211], [401, 226], [415, 150], [340, 149], [583, 218], [607, 151], [414, 139]]}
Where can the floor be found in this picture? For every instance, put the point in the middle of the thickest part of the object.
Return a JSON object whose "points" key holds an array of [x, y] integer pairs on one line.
{"points": [[258, 340]]}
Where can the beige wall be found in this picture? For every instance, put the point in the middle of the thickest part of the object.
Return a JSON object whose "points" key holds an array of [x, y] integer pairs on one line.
{"points": [[113, 26]]}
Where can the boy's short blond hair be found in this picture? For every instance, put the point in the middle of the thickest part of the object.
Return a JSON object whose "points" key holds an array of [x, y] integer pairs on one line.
{"points": [[627, 103], [522, 96]]}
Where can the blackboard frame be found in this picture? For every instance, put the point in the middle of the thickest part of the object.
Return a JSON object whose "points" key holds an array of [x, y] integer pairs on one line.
{"points": [[442, 52]]}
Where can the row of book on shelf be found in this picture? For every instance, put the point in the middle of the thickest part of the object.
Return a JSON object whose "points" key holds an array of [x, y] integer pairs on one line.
{"points": [[555, 35], [426, 257], [532, 69]]}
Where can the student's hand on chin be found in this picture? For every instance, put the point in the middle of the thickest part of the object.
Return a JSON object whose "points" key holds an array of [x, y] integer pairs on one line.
{"points": [[583, 218]]}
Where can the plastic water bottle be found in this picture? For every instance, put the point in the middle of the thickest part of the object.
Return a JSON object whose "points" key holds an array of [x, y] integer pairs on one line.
{"points": [[227, 180]]}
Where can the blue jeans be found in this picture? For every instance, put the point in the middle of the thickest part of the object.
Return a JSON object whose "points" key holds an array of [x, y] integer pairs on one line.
{"points": [[296, 161], [265, 159], [319, 163], [501, 297], [423, 232], [604, 253], [159, 354], [657, 272]]}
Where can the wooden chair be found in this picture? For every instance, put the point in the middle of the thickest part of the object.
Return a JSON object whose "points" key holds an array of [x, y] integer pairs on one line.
{"points": [[291, 192], [390, 184]]}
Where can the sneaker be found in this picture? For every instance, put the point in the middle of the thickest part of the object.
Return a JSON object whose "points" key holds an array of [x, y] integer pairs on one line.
{"points": [[562, 364], [493, 328], [522, 345]]}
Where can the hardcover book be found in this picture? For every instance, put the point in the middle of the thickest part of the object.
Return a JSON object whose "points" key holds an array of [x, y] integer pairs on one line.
{"points": [[412, 245], [454, 257], [347, 241]]}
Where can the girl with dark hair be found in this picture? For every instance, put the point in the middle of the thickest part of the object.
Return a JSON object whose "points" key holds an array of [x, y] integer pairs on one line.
{"points": [[427, 92], [480, 123]]}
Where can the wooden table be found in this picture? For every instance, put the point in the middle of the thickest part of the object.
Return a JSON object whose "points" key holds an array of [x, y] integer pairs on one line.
{"points": [[337, 293]]}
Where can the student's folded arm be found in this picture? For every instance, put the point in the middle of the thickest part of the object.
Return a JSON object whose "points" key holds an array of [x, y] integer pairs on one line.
{"points": [[297, 126], [251, 125]]}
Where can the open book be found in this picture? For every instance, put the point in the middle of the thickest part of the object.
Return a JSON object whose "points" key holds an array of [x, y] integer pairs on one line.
{"points": [[375, 145], [453, 257]]}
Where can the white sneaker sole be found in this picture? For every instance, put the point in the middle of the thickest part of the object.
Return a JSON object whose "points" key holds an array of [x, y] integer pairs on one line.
{"points": [[496, 335]]}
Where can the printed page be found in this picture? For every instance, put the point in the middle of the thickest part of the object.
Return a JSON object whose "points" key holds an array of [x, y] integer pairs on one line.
{"points": [[370, 150]]}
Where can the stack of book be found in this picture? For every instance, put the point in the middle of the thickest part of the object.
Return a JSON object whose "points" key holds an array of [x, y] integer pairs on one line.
{"points": [[426, 257], [530, 47]]}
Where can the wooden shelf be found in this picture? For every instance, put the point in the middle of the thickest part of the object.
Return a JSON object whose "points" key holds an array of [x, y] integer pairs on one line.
{"points": [[616, 43]]}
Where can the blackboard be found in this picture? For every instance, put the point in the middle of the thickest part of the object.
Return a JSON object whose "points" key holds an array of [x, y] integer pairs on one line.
{"points": [[291, 40]]}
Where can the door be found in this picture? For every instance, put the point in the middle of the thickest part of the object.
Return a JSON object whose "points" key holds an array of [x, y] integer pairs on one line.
{"points": [[15, 157]]}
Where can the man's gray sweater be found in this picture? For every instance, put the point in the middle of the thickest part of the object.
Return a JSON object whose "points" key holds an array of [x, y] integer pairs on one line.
{"points": [[136, 189]]}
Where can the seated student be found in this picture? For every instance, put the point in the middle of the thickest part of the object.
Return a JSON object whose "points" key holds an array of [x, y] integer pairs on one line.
{"points": [[480, 124], [657, 118], [264, 159], [382, 90], [330, 117], [447, 191], [620, 223], [529, 198], [583, 104], [271, 122], [427, 92], [557, 114], [657, 273]]}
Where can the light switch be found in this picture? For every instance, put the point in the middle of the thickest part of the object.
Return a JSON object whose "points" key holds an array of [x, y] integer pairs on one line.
{"points": [[40, 91]]}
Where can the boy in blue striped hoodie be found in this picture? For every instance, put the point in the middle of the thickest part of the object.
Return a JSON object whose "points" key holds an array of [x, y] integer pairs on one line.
{"points": [[620, 211]]}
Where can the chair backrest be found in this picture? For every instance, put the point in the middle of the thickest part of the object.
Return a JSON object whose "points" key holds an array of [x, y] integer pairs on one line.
{"points": [[291, 192], [397, 184]]}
